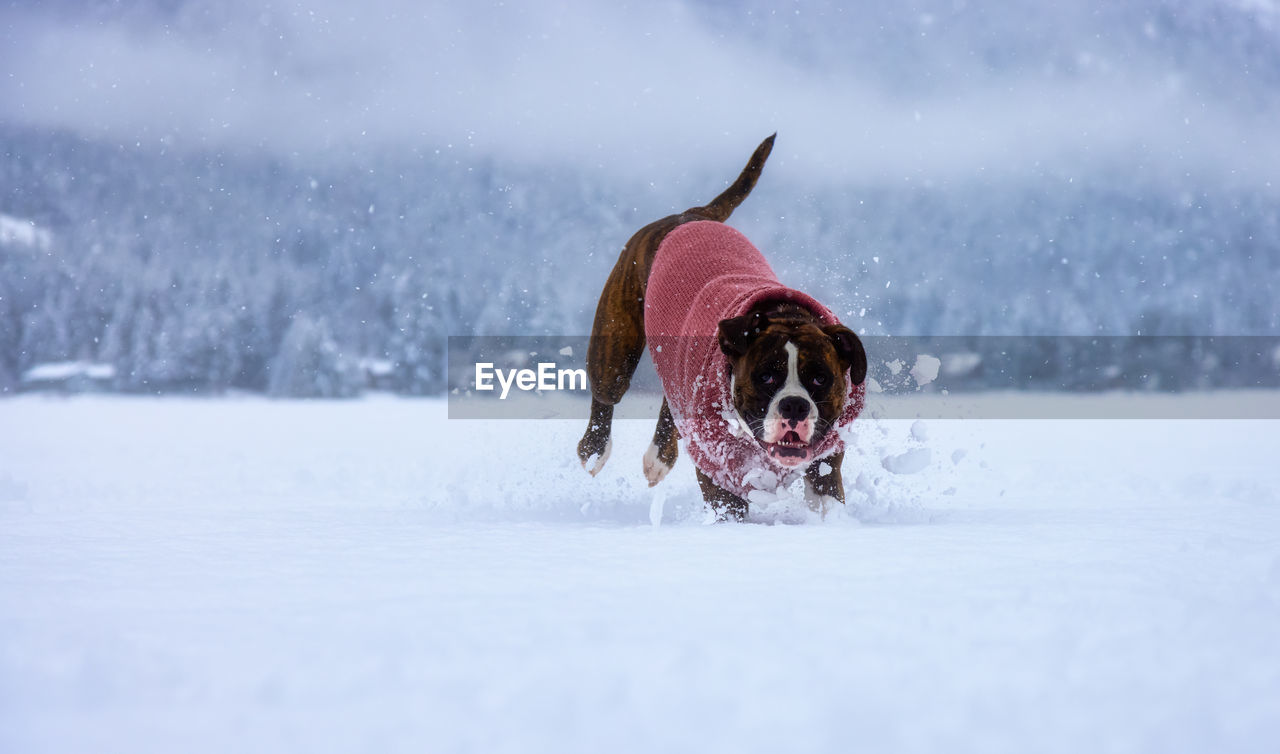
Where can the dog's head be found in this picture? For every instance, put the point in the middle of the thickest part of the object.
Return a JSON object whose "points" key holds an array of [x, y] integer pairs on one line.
{"points": [[789, 377]]}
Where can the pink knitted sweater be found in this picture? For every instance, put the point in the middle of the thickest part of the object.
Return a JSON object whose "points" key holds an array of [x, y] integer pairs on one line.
{"points": [[704, 272]]}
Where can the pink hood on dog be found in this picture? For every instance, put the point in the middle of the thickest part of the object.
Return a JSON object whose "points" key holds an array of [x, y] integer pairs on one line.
{"points": [[704, 272]]}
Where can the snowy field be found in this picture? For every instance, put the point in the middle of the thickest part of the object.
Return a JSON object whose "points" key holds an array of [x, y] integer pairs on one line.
{"points": [[244, 575]]}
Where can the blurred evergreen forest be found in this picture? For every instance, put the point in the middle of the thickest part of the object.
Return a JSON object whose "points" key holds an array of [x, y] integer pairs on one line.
{"points": [[204, 272]]}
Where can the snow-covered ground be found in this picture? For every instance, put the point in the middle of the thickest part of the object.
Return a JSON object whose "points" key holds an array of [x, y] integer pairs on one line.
{"points": [[247, 575]]}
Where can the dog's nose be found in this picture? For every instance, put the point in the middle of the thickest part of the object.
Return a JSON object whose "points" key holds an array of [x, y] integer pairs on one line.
{"points": [[794, 409]]}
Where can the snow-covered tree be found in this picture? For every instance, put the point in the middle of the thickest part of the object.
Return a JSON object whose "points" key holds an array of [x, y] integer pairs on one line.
{"points": [[310, 364]]}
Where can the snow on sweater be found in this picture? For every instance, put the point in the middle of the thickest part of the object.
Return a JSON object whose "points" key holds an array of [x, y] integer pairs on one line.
{"points": [[704, 272]]}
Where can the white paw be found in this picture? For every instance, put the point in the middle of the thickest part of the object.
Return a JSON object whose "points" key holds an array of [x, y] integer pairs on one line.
{"points": [[654, 470], [594, 463]]}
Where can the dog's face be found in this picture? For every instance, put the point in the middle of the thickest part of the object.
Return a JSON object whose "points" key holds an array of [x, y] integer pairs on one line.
{"points": [[788, 379]]}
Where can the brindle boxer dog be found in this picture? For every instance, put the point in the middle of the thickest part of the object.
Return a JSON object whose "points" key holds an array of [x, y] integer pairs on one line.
{"points": [[793, 372]]}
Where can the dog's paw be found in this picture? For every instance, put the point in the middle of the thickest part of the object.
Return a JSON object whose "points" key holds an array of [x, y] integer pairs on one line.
{"points": [[655, 469], [593, 462], [824, 504], [820, 503]]}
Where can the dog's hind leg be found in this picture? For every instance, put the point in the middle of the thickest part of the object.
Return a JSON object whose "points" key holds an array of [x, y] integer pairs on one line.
{"points": [[613, 352], [664, 449], [596, 443]]}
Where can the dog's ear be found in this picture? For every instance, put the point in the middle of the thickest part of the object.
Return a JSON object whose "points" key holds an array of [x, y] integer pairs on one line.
{"points": [[736, 333], [849, 350]]}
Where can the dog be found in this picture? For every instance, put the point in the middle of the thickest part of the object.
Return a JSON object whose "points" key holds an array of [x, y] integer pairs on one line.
{"points": [[757, 378]]}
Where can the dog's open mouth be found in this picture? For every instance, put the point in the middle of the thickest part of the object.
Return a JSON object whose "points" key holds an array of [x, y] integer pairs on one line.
{"points": [[789, 450]]}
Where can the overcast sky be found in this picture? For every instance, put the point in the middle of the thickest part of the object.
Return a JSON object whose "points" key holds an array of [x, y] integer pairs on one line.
{"points": [[603, 84]]}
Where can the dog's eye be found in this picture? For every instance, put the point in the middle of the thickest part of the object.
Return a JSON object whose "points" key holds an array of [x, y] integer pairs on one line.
{"points": [[818, 380], [766, 379]]}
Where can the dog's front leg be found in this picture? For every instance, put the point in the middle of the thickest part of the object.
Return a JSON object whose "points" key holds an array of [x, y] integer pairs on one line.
{"points": [[727, 506], [823, 485], [664, 449]]}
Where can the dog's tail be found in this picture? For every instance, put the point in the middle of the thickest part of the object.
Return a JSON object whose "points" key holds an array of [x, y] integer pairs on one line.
{"points": [[722, 206]]}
